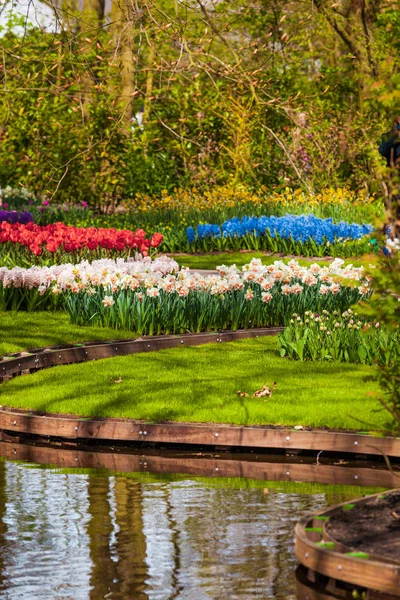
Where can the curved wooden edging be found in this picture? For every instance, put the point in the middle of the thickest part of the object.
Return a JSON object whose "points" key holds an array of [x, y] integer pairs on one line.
{"points": [[379, 574], [325, 589], [127, 430], [41, 358], [171, 462], [113, 430]]}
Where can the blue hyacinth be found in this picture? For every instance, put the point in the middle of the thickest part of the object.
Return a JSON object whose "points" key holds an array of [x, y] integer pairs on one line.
{"points": [[191, 236], [301, 228]]}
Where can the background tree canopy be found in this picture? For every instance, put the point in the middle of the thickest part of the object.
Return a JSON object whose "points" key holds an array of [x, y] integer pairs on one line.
{"points": [[140, 97]]}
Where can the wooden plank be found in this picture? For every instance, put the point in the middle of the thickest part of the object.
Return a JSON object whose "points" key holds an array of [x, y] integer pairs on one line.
{"points": [[51, 357], [312, 592], [191, 433], [200, 466]]}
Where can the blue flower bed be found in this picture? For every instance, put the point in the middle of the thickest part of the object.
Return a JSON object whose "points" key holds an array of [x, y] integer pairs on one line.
{"points": [[292, 234], [12, 216], [301, 228]]}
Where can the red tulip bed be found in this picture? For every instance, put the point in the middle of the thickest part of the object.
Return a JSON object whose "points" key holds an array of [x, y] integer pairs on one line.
{"points": [[51, 244]]}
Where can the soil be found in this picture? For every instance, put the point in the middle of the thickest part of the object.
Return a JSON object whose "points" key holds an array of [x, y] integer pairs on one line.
{"points": [[372, 526]]}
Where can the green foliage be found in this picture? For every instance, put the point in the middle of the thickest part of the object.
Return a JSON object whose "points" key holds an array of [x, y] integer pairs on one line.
{"points": [[16, 198], [23, 298], [385, 306], [339, 337], [162, 311], [174, 211], [264, 94], [56, 138], [67, 212], [267, 242]]}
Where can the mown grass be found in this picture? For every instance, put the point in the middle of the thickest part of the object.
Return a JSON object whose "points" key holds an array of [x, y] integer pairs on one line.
{"points": [[200, 384], [22, 331], [211, 261]]}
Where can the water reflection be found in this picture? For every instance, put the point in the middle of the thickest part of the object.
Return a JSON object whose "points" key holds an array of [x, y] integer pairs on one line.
{"points": [[95, 535], [45, 546]]}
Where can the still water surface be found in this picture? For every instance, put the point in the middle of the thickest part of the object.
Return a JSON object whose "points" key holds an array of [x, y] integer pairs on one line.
{"points": [[97, 534]]}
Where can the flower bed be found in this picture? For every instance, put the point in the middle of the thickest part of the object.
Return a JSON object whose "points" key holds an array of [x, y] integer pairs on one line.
{"points": [[293, 234], [154, 298], [20, 243], [344, 337], [13, 216], [31, 289], [223, 202]]}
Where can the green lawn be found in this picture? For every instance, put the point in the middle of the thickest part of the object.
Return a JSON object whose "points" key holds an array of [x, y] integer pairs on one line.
{"points": [[200, 384], [211, 261], [22, 331]]}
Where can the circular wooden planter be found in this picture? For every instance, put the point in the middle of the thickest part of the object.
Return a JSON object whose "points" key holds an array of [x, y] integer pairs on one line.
{"points": [[316, 550]]}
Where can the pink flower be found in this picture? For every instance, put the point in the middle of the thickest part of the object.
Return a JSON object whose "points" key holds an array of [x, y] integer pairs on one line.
{"points": [[153, 292], [334, 288], [297, 288], [287, 290], [108, 301], [265, 297], [309, 279], [267, 285]]}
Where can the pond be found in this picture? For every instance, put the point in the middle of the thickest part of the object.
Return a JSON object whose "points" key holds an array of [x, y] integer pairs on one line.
{"points": [[85, 533]]}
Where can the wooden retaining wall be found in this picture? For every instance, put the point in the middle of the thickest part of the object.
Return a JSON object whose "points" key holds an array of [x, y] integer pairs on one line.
{"points": [[216, 435]]}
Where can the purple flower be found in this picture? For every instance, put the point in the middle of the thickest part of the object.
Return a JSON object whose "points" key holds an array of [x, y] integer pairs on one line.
{"points": [[12, 216]]}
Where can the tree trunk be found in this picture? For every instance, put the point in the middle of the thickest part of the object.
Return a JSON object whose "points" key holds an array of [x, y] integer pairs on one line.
{"points": [[122, 20]]}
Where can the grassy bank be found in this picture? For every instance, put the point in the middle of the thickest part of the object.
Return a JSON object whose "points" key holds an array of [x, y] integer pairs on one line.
{"points": [[200, 384], [22, 331]]}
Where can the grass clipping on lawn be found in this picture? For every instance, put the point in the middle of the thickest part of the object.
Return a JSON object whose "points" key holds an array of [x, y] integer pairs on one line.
{"points": [[200, 384]]}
